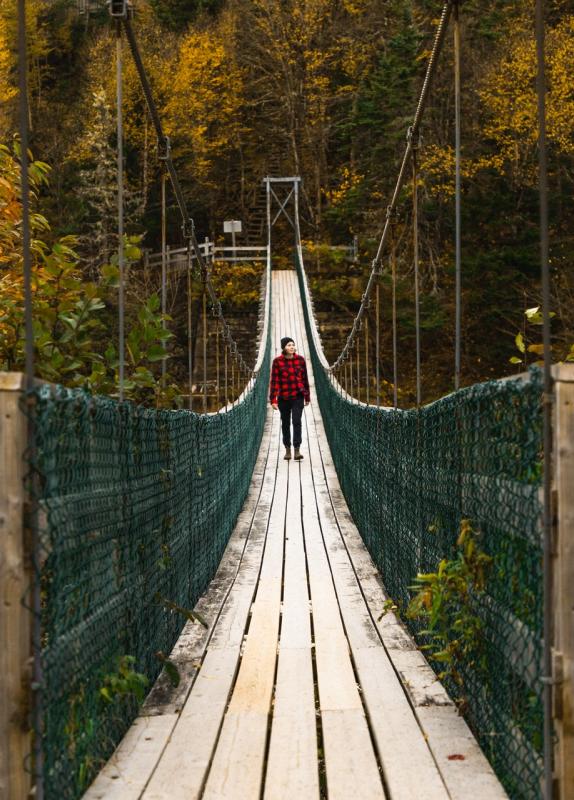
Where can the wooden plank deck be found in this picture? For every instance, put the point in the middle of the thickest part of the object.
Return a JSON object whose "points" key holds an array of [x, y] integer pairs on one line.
{"points": [[297, 689]]}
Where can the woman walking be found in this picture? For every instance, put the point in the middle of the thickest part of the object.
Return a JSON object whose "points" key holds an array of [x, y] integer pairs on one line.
{"points": [[289, 393]]}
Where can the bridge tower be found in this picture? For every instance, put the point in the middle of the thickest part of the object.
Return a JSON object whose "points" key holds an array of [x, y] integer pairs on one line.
{"points": [[281, 190]]}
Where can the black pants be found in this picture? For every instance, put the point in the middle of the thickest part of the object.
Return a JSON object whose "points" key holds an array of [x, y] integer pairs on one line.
{"points": [[291, 407]]}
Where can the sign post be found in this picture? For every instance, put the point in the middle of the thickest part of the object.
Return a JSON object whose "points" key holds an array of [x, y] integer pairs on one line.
{"points": [[232, 226]]}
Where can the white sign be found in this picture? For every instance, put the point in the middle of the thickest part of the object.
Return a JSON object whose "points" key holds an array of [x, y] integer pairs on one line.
{"points": [[232, 226]]}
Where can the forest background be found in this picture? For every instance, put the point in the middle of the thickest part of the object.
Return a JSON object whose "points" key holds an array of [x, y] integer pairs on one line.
{"points": [[323, 89]]}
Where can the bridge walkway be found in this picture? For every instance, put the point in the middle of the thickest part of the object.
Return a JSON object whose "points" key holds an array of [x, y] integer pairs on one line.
{"points": [[298, 688]]}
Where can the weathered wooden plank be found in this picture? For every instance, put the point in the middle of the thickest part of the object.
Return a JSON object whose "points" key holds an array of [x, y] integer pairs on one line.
{"points": [[237, 767], [125, 775], [345, 731], [350, 761], [181, 771], [468, 777], [351, 768], [292, 764], [15, 578], [405, 758], [292, 767]]}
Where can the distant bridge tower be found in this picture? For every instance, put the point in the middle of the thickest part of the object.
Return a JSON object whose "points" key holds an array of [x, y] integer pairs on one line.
{"points": [[282, 190]]}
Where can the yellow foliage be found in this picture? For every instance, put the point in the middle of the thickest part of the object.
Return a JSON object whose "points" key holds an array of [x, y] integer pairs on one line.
{"points": [[509, 92], [40, 42], [349, 181], [7, 88], [438, 168], [204, 95], [509, 100]]}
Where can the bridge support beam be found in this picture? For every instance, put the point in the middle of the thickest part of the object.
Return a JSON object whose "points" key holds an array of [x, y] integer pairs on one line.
{"points": [[15, 583], [563, 552]]}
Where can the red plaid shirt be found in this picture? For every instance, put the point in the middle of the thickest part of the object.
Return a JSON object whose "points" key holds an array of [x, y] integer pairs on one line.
{"points": [[288, 378]]}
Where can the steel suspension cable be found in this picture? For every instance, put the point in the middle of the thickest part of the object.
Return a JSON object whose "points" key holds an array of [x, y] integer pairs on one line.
{"points": [[412, 136], [458, 268], [548, 401], [358, 347], [394, 323], [217, 403], [378, 340], [416, 266], [189, 330], [165, 155], [204, 314], [37, 687], [367, 387], [120, 167]]}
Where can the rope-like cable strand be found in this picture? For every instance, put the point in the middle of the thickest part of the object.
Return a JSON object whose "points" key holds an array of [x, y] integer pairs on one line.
{"points": [[120, 167], [412, 136], [548, 402], [416, 266], [37, 696], [189, 229], [457, 194]]}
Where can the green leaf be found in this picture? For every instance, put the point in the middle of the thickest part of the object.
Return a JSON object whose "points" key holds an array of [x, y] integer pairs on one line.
{"points": [[106, 694], [519, 339], [515, 360], [426, 576], [111, 275], [156, 353], [132, 253]]}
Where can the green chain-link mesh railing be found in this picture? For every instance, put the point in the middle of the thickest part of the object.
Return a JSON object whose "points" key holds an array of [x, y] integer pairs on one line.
{"points": [[136, 507], [410, 478]]}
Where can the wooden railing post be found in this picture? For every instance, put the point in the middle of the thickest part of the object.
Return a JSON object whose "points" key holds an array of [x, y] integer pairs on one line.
{"points": [[15, 577], [563, 649]]}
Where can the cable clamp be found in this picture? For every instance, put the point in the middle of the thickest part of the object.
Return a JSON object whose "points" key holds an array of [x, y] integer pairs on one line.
{"points": [[188, 228], [377, 268], [164, 149], [413, 138]]}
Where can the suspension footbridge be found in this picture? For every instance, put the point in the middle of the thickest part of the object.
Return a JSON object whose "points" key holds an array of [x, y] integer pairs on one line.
{"points": [[190, 616], [297, 682]]}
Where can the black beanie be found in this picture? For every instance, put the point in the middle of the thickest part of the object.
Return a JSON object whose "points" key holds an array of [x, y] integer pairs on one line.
{"points": [[285, 341]]}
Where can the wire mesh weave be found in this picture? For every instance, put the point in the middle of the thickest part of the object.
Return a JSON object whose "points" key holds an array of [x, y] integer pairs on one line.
{"points": [[410, 478], [136, 507]]}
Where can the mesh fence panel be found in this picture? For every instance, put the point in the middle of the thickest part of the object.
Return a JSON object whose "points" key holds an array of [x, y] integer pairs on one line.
{"points": [[410, 478], [136, 507]]}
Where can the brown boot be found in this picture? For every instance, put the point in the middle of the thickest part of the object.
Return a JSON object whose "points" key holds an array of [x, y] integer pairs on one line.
{"points": [[298, 456], [287, 455]]}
